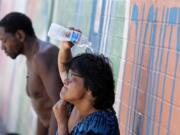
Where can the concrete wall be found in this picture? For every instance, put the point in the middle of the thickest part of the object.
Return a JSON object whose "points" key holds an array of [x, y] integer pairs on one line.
{"points": [[140, 37]]}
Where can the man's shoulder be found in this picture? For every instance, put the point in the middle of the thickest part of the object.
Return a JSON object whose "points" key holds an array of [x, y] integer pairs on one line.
{"points": [[47, 54], [46, 48]]}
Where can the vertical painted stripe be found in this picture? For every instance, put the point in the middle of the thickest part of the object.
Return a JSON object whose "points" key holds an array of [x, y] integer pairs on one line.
{"points": [[134, 18], [105, 27], [161, 54], [149, 73], [79, 8], [8, 98], [50, 18], [95, 37], [98, 16], [91, 32], [150, 66], [154, 79], [122, 63], [178, 34], [141, 57], [174, 14], [135, 85], [160, 66], [108, 37], [164, 81], [172, 95]]}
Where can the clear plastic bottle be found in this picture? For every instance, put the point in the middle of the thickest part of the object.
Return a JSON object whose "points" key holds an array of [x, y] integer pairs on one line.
{"points": [[61, 33]]}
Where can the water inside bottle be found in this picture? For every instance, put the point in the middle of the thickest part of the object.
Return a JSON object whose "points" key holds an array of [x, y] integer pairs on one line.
{"points": [[61, 33]]}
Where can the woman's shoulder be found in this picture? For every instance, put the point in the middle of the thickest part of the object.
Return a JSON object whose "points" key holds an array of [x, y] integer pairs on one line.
{"points": [[101, 122], [101, 116], [102, 119]]}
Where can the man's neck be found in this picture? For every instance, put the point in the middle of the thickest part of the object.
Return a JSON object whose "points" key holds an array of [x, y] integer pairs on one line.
{"points": [[31, 46]]}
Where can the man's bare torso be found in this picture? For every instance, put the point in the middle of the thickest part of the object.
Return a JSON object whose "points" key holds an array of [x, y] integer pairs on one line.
{"points": [[39, 98], [41, 101]]}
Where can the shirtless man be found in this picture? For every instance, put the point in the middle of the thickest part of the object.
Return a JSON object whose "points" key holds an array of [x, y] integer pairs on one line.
{"points": [[43, 81]]}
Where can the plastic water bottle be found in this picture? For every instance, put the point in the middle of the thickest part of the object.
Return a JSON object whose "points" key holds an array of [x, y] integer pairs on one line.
{"points": [[61, 33]]}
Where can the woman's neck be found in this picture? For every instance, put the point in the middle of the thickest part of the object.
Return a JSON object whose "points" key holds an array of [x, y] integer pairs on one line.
{"points": [[85, 109]]}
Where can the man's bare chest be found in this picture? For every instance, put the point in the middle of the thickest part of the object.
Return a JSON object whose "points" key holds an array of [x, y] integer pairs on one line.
{"points": [[35, 88]]}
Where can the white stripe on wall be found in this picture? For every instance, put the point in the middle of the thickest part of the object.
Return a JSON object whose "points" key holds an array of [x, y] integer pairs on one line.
{"points": [[122, 61]]}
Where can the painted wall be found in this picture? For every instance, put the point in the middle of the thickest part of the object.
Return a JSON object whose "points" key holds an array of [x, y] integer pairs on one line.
{"points": [[150, 103], [140, 37]]}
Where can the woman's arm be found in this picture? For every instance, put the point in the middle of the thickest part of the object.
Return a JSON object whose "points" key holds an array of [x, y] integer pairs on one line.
{"points": [[61, 114], [64, 57]]}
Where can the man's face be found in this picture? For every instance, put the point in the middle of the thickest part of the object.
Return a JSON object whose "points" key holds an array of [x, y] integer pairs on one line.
{"points": [[10, 44]]}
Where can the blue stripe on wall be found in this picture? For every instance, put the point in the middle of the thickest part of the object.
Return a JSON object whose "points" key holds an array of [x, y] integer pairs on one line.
{"points": [[154, 68], [140, 55], [94, 37], [135, 19], [161, 55], [150, 66], [178, 34], [174, 14]]}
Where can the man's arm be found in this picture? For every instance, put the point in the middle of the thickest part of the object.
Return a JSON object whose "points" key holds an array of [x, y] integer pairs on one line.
{"points": [[48, 71], [41, 130]]}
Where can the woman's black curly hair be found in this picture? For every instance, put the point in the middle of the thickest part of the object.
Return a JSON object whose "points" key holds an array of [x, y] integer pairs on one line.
{"points": [[98, 77]]}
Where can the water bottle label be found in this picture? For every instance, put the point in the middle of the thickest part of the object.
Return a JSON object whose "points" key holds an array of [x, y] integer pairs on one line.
{"points": [[75, 36]]}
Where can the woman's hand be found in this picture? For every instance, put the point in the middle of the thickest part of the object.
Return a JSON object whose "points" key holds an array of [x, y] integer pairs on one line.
{"points": [[61, 112], [70, 44]]}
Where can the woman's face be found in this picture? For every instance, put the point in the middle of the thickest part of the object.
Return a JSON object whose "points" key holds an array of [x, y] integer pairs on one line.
{"points": [[73, 89]]}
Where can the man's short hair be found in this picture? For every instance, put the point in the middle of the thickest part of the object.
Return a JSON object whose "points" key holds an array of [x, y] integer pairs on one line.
{"points": [[98, 76], [17, 21]]}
